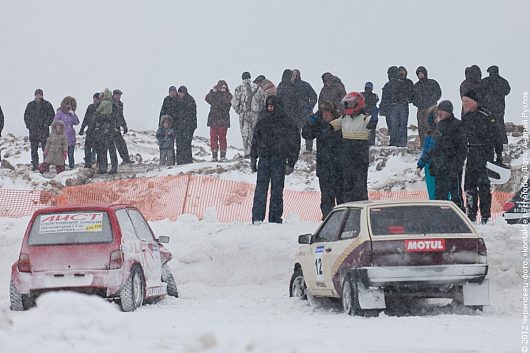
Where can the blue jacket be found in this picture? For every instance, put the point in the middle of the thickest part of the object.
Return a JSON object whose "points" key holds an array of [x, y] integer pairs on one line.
{"points": [[428, 145], [166, 138]]}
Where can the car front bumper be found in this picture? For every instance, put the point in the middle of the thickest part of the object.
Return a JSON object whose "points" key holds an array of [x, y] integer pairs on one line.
{"points": [[440, 274]]}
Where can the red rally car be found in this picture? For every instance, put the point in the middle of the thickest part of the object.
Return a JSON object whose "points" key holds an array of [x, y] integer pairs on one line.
{"points": [[107, 250]]}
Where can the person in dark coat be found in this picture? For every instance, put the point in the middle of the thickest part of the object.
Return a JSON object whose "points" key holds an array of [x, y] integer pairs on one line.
{"points": [[220, 100], [397, 94], [120, 143], [483, 142], [333, 90], [169, 105], [1, 127], [446, 158], [329, 155], [276, 144], [355, 125], [105, 132], [307, 98], [493, 90], [426, 94], [472, 81], [185, 125], [89, 123], [38, 117], [370, 107], [166, 141], [287, 94]]}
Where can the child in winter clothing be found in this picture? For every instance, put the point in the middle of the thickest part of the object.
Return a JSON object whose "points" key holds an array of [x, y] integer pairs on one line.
{"points": [[428, 145], [66, 114], [56, 149], [166, 140]]}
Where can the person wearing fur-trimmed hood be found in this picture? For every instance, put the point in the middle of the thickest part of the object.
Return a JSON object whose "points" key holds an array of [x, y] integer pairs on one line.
{"points": [[56, 149], [66, 114], [219, 98], [105, 130]]}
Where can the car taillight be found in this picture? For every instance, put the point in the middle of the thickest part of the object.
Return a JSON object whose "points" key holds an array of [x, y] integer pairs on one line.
{"points": [[24, 264], [508, 206], [482, 251], [116, 260]]}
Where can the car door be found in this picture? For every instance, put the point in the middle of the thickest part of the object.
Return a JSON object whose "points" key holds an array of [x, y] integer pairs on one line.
{"points": [[343, 251], [321, 249], [150, 252]]}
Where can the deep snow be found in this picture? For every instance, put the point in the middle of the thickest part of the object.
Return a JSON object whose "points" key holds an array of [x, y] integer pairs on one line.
{"points": [[233, 281]]}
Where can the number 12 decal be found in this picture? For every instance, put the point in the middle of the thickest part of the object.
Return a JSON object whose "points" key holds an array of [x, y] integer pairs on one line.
{"points": [[318, 262]]}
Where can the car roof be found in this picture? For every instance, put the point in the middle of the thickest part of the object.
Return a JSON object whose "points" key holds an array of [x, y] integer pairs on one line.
{"points": [[368, 203], [84, 207]]}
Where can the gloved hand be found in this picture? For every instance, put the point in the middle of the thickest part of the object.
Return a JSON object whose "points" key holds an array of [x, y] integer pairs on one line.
{"points": [[64, 155], [313, 118], [254, 164], [81, 132], [125, 130], [288, 169], [45, 153], [418, 172], [499, 159]]}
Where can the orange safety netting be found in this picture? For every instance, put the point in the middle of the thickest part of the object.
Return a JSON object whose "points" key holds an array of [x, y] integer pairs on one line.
{"points": [[168, 197]]}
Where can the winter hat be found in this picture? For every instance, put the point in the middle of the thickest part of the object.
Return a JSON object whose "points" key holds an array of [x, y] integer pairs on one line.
{"points": [[172, 89], [96, 95], [245, 75], [259, 79], [446, 106], [471, 94], [39, 91], [327, 77], [392, 72], [117, 91], [493, 70], [183, 89], [421, 69], [369, 85]]}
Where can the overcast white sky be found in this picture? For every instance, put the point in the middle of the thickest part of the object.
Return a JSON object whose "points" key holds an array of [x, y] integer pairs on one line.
{"points": [[142, 47]]}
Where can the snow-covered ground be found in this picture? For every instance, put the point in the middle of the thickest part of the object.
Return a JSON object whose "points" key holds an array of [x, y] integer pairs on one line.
{"points": [[233, 284]]}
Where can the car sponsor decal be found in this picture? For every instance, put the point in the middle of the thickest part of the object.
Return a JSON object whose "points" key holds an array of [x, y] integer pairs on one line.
{"points": [[417, 245], [71, 223]]}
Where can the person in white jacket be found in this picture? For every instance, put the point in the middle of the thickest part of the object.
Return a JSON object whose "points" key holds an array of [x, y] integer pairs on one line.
{"points": [[242, 104]]}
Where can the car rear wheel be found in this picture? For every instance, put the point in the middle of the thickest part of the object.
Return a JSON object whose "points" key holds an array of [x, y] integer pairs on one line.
{"points": [[133, 292], [19, 302], [350, 296], [167, 277], [297, 286]]}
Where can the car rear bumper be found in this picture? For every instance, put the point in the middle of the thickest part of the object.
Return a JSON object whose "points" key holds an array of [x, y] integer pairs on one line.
{"points": [[440, 274], [110, 280]]}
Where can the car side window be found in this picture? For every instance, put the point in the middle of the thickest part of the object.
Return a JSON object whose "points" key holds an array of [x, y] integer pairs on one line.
{"points": [[330, 229], [126, 226], [352, 226], [141, 226]]}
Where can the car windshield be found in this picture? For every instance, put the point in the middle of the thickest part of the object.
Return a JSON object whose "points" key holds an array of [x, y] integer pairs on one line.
{"points": [[416, 220], [82, 227]]}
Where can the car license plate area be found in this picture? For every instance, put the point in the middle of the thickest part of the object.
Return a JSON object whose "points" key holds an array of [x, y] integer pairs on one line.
{"points": [[424, 245], [67, 280]]}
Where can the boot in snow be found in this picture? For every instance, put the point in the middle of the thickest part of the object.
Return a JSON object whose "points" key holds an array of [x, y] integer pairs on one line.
{"points": [[214, 156], [223, 156]]}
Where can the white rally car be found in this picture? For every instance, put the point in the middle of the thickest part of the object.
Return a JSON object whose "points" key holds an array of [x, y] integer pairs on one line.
{"points": [[366, 253]]}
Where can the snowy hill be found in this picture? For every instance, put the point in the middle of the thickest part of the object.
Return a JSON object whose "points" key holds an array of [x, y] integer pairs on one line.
{"points": [[391, 168]]}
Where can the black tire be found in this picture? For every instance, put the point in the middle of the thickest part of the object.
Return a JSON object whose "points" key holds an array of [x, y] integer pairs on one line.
{"points": [[132, 294], [297, 286], [19, 302], [479, 308], [167, 277], [350, 297]]}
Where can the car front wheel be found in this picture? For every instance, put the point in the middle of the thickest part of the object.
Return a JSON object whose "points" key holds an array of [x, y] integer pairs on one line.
{"points": [[167, 277], [297, 286], [133, 292]]}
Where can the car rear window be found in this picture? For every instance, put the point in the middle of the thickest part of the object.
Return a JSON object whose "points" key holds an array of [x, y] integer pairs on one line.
{"points": [[85, 227], [416, 220]]}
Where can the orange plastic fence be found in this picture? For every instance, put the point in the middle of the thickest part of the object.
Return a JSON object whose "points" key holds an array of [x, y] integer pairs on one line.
{"points": [[167, 197]]}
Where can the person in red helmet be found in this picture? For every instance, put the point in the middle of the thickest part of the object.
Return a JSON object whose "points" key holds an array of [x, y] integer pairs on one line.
{"points": [[355, 125]]}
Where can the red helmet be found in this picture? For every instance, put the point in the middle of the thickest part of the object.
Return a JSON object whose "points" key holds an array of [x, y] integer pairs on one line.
{"points": [[353, 102]]}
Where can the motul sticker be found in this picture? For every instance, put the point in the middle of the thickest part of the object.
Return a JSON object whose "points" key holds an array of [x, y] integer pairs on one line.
{"points": [[425, 245]]}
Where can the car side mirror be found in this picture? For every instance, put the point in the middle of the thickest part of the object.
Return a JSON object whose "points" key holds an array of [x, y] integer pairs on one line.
{"points": [[304, 239], [163, 239]]}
